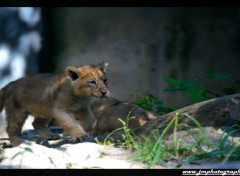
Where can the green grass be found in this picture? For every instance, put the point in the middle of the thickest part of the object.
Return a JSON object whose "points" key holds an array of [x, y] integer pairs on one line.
{"points": [[128, 138], [156, 149]]}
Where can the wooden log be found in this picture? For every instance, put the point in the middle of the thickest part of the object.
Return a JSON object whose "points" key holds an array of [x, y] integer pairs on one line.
{"points": [[222, 111]]}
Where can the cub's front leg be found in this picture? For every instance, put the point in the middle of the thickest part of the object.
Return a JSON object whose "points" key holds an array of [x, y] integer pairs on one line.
{"points": [[70, 125]]}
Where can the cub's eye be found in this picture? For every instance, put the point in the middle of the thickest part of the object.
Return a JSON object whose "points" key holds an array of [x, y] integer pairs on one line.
{"points": [[93, 82], [105, 81]]}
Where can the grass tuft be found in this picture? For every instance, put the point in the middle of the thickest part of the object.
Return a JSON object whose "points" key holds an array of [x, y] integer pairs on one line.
{"points": [[159, 148]]}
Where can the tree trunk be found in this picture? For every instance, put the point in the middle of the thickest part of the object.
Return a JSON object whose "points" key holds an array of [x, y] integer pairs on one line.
{"points": [[222, 111]]}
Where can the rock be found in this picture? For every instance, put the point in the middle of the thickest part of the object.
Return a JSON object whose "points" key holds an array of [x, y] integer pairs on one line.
{"points": [[82, 155], [91, 155]]}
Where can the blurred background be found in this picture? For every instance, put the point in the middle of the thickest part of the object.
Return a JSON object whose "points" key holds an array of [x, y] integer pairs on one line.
{"points": [[141, 44]]}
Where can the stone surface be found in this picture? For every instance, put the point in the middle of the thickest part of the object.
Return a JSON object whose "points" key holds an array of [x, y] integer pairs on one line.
{"points": [[92, 155], [68, 156], [81, 155]]}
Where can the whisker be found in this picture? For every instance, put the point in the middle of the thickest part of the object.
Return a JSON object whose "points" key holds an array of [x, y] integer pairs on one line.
{"points": [[92, 99]]}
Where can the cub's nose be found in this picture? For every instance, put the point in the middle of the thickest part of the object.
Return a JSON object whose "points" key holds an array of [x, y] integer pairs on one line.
{"points": [[103, 93]]}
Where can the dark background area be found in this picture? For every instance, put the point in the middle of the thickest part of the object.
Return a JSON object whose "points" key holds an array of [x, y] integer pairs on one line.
{"points": [[142, 45]]}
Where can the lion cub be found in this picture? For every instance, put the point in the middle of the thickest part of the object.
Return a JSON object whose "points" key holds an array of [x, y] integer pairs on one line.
{"points": [[109, 110], [47, 96]]}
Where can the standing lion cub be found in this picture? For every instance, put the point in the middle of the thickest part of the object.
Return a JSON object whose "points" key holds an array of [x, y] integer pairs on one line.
{"points": [[47, 96]]}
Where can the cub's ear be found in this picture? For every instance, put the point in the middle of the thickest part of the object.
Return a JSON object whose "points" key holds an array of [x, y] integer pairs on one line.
{"points": [[102, 66], [72, 72]]}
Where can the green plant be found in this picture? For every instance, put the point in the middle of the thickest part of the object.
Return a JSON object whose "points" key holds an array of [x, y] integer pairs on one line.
{"points": [[193, 89], [198, 92], [155, 148], [227, 150], [128, 136], [150, 102]]}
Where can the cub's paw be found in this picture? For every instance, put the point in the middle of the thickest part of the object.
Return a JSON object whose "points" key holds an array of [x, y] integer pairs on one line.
{"points": [[84, 137], [16, 141]]}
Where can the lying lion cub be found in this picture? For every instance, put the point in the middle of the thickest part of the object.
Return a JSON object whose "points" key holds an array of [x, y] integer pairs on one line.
{"points": [[109, 110], [54, 96]]}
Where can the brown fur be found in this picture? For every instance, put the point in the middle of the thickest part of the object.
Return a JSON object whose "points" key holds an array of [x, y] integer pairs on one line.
{"points": [[55, 96], [108, 111]]}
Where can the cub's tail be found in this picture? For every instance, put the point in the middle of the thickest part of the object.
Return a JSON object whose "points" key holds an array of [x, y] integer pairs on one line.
{"points": [[3, 123], [1, 99]]}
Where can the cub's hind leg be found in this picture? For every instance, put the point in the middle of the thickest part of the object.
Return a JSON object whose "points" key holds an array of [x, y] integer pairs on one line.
{"points": [[15, 120], [41, 127]]}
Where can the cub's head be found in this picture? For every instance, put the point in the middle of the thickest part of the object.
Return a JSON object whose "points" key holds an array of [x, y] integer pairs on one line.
{"points": [[88, 80]]}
